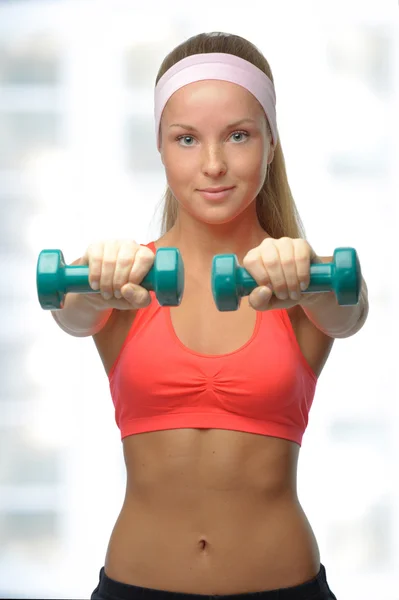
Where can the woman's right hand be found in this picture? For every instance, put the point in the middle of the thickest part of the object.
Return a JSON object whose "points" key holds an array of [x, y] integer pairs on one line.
{"points": [[116, 268]]}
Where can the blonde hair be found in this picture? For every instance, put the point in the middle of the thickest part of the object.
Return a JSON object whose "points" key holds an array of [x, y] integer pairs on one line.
{"points": [[275, 206]]}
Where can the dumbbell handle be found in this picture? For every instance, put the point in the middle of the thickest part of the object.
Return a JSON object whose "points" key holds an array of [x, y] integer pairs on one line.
{"points": [[75, 278], [321, 275]]}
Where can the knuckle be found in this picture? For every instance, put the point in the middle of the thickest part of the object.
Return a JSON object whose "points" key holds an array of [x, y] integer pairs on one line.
{"points": [[249, 260], [268, 240], [95, 270], [303, 270], [288, 261], [108, 263], [301, 255], [95, 248], [143, 261], [279, 286], [94, 252], [127, 247], [143, 298], [119, 281], [106, 281], [252, 254], [125, 261], [145, 255], [302, 247], [302, 259], [95, 265], [110, 251], [93, 258], [285, 240], [106, 277], [139, 298], [271, 261]]}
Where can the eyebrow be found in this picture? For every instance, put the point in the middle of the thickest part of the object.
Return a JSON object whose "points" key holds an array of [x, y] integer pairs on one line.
{"points": [[191, 128]]}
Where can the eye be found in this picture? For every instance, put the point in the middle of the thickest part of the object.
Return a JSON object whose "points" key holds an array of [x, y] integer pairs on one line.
{"points": [[190, 137], [185, 137], [240, 133]]}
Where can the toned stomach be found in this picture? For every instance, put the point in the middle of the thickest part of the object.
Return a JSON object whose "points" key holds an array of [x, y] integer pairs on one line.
{"points": [[211, 512]]}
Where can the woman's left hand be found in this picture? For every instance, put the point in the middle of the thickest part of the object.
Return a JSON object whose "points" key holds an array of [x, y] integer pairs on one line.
{"points": [[281, 267]]}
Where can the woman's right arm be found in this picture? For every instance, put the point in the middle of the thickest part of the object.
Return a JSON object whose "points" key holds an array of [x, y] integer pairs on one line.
{"points": [[117, 267], [79, 317]]}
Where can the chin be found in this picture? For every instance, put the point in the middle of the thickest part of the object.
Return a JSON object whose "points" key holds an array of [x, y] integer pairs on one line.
{"points": [[218, 217]]}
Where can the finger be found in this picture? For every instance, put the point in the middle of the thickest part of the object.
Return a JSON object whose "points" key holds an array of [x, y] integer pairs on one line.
{"points": [[94, 258], [302, 260], [252, 262], [143, 262], [271, 260], [260, 298], [108, 269], [286, 251], [135, 295], [125, 259]]}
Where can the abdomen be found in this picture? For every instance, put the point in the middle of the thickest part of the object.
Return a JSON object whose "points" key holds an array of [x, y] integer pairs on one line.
{"points": [[211, 512]]}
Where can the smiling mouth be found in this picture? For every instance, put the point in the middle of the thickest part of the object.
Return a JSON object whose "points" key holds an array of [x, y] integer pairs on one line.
{"points": [[216, 190]]}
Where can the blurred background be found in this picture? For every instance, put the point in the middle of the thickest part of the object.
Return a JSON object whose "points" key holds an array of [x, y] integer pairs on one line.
{"points": [[78, 163]]}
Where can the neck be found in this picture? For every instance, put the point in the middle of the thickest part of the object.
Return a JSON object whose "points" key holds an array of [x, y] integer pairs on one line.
{"points": [[198, 242]]}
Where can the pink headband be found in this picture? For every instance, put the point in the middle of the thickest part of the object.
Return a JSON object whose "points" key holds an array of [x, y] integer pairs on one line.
{"points": [[221, 66]]}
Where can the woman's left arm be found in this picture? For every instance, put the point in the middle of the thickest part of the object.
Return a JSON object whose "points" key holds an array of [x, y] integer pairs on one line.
{"points": [[335, 320], [281, 266]]}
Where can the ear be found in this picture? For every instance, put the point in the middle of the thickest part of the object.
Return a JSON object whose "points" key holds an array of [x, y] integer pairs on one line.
{"points": [[270, 155]]}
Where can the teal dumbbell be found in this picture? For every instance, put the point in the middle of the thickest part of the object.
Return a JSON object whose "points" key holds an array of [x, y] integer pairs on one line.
{"points": [[55, 279], [230, 282]]}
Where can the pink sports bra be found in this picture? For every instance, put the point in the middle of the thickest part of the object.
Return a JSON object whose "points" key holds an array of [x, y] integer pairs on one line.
{"points": [[265, 387]]}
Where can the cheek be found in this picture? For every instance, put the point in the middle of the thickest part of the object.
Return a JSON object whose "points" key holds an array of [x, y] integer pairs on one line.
{"points": [[178, 169], [252, 168], [180, 175]]}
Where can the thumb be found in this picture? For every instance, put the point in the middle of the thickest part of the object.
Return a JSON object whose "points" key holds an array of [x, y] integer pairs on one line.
{"points": [[260, 297], [135, 294]]}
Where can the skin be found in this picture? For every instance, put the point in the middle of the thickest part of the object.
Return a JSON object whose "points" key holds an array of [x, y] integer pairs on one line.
{"points": [[217, 156], [212, 511]]}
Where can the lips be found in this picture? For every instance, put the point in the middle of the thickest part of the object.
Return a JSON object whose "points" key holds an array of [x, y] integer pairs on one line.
{"points": [[215, 190], [221, 194]]}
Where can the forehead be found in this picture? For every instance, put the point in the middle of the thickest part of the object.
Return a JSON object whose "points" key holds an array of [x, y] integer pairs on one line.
{"points": [[200, 97]]}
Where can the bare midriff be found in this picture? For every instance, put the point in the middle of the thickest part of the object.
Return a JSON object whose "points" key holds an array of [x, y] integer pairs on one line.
{"points": [[211, 511]]}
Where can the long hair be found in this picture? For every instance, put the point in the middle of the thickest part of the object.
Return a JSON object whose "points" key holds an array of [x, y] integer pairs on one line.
{"points": [[275, 207]]}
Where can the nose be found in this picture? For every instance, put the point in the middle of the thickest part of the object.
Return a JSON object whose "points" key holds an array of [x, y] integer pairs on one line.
{"points": [[213, 161]]}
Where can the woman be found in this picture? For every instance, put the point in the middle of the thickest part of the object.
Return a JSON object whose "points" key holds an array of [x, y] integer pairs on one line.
{"points": [[212, 405]]}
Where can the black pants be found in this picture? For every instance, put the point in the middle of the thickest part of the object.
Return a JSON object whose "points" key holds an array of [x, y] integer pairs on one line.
{"points": [[316, 589]]}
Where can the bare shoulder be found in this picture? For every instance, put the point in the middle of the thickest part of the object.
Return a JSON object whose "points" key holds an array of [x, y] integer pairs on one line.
{"points": [[315, 344], [110, 339]]}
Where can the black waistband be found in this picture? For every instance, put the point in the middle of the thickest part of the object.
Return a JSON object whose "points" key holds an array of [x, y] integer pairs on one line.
{"points": [[316, 587]]}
